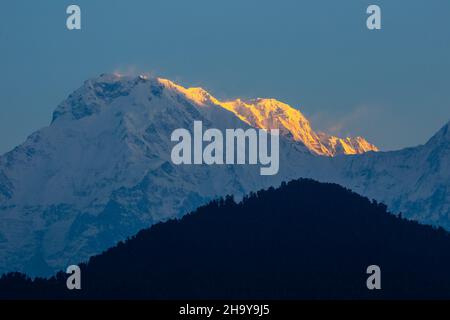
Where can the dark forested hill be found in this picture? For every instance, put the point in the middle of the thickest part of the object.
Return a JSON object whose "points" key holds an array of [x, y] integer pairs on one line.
{"points": [[303, 240]]}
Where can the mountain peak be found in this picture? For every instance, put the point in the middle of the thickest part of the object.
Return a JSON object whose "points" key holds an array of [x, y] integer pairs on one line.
{"points": [[268, 113], [443, 135], [197, 94], [96, 93], [265, 113]]}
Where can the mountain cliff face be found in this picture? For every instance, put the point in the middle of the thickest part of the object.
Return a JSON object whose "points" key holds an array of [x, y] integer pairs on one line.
{"points": [[102, 170]]}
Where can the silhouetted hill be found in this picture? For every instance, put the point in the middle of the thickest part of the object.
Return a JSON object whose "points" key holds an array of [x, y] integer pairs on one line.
{"points": [[303, 240]]}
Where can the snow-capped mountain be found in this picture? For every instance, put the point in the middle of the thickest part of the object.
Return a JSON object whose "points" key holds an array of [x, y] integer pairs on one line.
{"points": [[273, 114], [414, 181], [102, 170]]}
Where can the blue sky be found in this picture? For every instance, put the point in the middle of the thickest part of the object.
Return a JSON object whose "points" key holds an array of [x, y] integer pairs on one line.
{"points": [[390, 86]]}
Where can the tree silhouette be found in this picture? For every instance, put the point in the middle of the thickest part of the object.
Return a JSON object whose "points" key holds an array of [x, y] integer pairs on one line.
{"points": [[303, 240]]}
